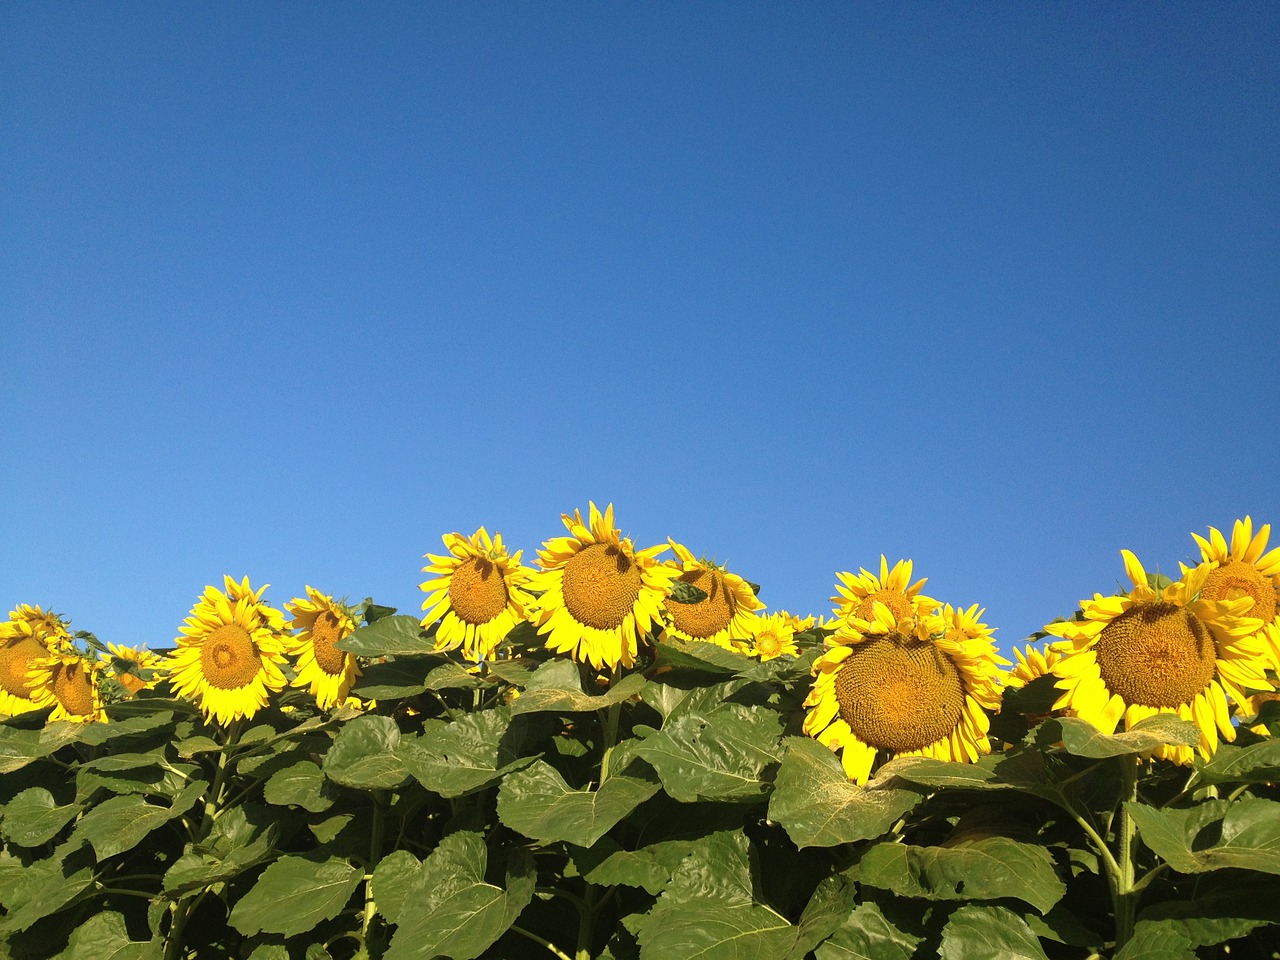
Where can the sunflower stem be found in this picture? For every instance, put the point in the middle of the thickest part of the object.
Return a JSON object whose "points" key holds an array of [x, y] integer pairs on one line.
{"points": [[586, 923], [515, 928], [611, 716], [1127, 892], [375, 852]]}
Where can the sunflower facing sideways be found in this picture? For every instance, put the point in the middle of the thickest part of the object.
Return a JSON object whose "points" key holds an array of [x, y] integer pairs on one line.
{"points": [[68, 683], [328, 673], [1246, 569], [478, 594], [600, 595], [229, 655], [1169, 650], [723, 616], [911, 686], [28, 635]]}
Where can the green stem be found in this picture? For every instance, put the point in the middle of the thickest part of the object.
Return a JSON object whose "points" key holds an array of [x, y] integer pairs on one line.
{"points": [[375, 852], [612, 714], [586, 923], [1127, 892], [539, 940]]}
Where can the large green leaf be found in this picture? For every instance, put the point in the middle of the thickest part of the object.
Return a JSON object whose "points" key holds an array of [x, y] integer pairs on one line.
{"points": [[1216, 834], [456, 913], [867, 934], [242, 837], [364, 755], [41, 889], [983, 868], [649, 868], [720, 755], [1221, 909], [453, 758], [538, 803], [393, 879], [557, 686], [34, 817], [1156, 941], [395, 679], [819, 807], [982, 932], [1257, 763], [294, 894], [1083, 739], [120, 823], [388, 637], [104, 937], [300, 784], [942, 773]]}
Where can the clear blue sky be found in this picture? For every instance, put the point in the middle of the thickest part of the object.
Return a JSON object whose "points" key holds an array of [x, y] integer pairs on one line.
{"points": [[292, 289]]}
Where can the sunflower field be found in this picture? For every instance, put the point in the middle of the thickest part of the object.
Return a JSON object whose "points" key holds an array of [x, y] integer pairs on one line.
{"points": [[618, 752]]}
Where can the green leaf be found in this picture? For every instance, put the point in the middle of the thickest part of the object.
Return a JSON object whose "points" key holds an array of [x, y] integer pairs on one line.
{"points": [[34, 817], [649, 868], [943, 773], [867, 934], [684, 592], [1256, 763], [294, 894], [453, 758], [120, 823], [819, 807], [720, 755], [538, 803], [363, 754], [985, 868], [395, 679], [451, 676], [387, 637], [104, 937], [1083, 739], [456, 913], [988, 933], [1219, 912], [41, 890], [557, 686], [1216, 834], [826, 911], [301, 784], [242, 837], [393, 880], [1156, 941], [704, 657], [18, 747]]}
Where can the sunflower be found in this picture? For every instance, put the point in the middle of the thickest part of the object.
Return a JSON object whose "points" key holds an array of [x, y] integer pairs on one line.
{"points": [[327, 671], [600, 595], [1245, 569], [134, 668], [723, 616], [1150, 651], [69, 684], [856, 593], [47, 627], [18, 651], [229, 654], [916, 685], [1032, 664], [773, 636], [478, 594]]}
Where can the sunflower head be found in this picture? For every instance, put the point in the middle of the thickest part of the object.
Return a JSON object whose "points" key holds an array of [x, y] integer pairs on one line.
{"points": [[69, 684], [1244, 568], [320, 622], [1160, 649], [600, 595], [890, 687], [229, 654], [724, 615], [50, 629], [857, 593], [1032, 663], [18, 651], [133, 668], [478, 593], [773, 636]]}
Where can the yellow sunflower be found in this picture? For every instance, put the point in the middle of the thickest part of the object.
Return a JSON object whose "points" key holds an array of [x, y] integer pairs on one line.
{"points": [[69, 684], [911, 686], [478, 594], [134, 668], [328, 672], [856, 593], [723, 616], [1032, 664], [47, 627], [600, 595], [229, 654], [773, 636], [1152, 651], [1246, 569], [18, 651]]}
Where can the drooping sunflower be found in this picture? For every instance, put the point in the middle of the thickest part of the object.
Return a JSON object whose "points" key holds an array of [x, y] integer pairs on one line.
{"points": [[18, 651], [479, 593], [47, 627], [856, 593], [1171, 650], [773, 636], [915, 685], [1245, 569], [723, 616], [69, 684], [229, 655], [134, 668], [600, 595], [321, 622]]}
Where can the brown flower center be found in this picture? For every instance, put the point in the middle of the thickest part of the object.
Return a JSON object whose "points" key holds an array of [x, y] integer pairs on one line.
{"points": [[325, 632], [709, 615], [601, 585], [15, 658], [73, 688], [899, 693], [1235, 579], [477, 592], [898, 603], [1156, 654], [229, 657]]}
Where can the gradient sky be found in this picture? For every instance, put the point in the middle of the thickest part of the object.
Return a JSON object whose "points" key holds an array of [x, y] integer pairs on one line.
{"points": [[292, 289]]}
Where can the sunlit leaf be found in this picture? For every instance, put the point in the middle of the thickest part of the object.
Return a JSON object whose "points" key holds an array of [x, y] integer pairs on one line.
{"points": [[720, 755], [1214, 835], [103, 937], [866, 934], [34, 817], [294, 894], [387, 637], [538, 803], [1083, 739], [456, 757], [981, 932], [363, 754]]}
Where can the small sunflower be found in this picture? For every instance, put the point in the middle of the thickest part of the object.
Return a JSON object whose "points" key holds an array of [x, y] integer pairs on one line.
{"points": [[1245, 569], [229, 654], [773, 636], [911, 686], [723, 616], [1151, 651], [856, 593], [134, 668], [600, 595], [1032, 664], [69, 684], [478, 594], [328, 672]]}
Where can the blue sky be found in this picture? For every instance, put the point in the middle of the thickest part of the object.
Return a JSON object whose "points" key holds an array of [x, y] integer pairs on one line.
{"points": [[290, 290]]}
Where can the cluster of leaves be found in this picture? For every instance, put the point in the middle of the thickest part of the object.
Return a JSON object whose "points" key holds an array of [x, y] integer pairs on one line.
{"points": [[525, 809]]}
